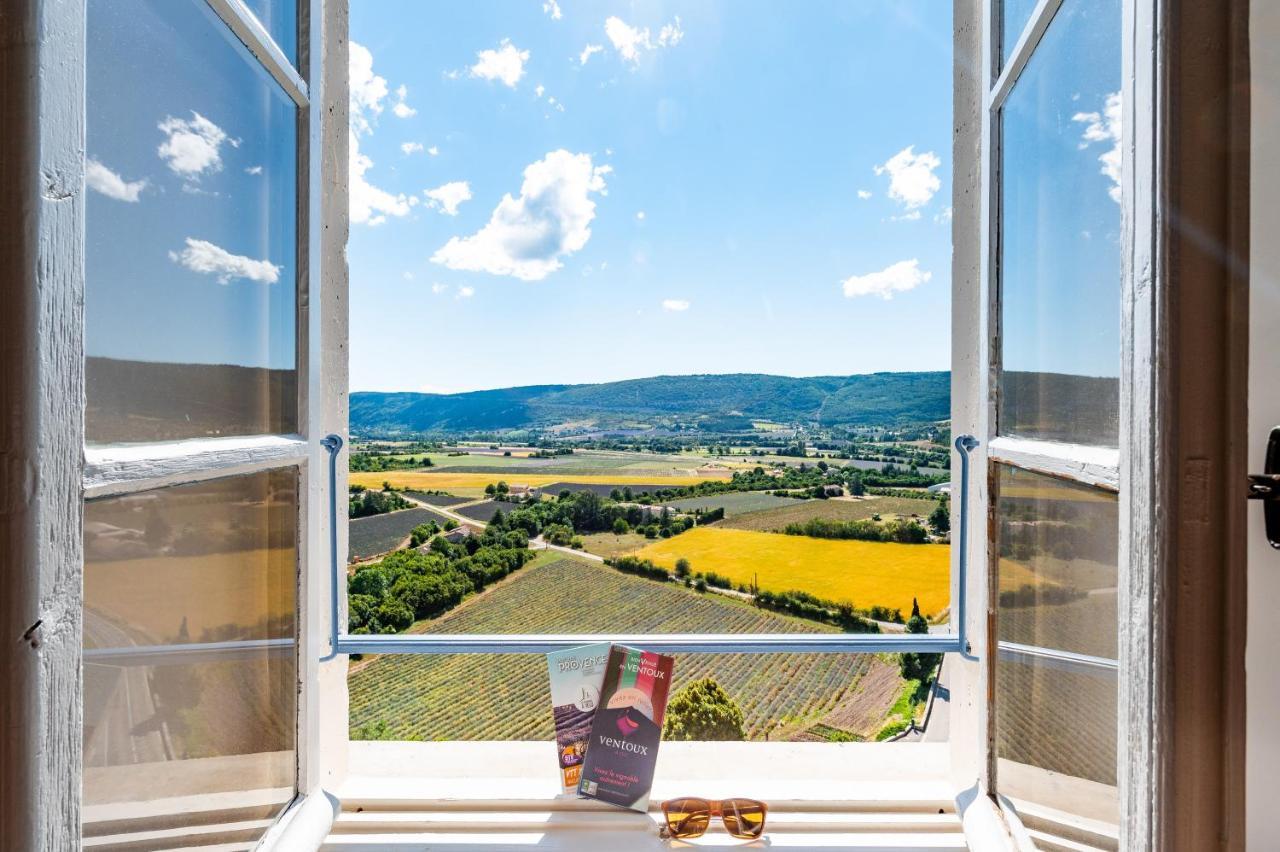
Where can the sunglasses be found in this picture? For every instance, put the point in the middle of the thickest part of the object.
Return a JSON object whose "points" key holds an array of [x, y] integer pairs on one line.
{"points": [[743, 818]]}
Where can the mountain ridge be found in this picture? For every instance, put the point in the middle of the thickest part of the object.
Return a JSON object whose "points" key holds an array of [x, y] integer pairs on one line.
{"points": [[854, 400]]}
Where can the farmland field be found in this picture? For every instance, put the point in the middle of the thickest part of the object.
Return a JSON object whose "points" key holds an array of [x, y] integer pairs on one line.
{"points": [[497, 697], [799, 511], [485, 511], [864, 572], [604, 489], [380, 533], [735, 504], [462, 483], [611, 545], [445, 500]]}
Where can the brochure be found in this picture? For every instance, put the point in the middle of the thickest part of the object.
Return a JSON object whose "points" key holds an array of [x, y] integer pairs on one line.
{"points": [[627, 728], [576, 677]]}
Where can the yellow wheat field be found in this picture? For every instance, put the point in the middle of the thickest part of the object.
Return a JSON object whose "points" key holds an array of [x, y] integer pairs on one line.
{"points": [[866, 573], [426, 481]]}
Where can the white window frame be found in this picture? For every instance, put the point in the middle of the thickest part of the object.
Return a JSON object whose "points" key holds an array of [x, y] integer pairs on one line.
{"points": [[1131, 470]]}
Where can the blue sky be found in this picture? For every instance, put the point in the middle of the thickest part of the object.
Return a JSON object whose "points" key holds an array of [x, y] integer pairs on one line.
{"points": [[718, 187]]}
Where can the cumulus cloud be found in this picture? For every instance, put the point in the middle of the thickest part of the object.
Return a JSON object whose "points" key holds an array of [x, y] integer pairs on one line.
{"points": [[864, 194], [587, 51], [253, 170], [367, 89], [193, 148], [631, 42], [208, 259], [410, 147], [527, 236], [466, 292], [1105, 127], [552, 8], [640, 215], [448, 197], [101, 179], [675, 305], [900, 277], [506, 64], [402, 109], [368, 204], [439, 288], [911, 178], [433, 151]]}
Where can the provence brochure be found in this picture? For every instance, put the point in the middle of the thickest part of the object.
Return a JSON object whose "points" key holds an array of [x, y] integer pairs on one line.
{"points": [[623, 748], [576, 677]]}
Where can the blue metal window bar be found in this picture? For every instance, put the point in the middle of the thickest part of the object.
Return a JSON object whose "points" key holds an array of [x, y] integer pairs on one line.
{"points": [[732, 643]]}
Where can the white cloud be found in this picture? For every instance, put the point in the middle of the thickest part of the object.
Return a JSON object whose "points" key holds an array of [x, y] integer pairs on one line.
{"points": [[675, 304], [506, 64], [631, 42], [538, 91], [640, 215], [401, 108], [526, 237], [864, 194], [193, 148], [1105, 127], [369, 205], [410, 147], [367, 88], [208, 259], [101, 179], [944, 216], [898, 278], [253, 170], [552, 8], [466, 292], [911, 216], [587, 51], [671, 34], [408, 276], [433, 151], [439, 288], [448, 197], [911, 177]]}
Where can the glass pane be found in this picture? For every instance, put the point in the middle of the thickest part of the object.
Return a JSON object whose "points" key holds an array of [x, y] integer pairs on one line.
{"points": [[1060, 233], [1014, 15], [280, 17], [1056, 736], [1057, 546], [191, 234], [783, 697], [189, 637]]}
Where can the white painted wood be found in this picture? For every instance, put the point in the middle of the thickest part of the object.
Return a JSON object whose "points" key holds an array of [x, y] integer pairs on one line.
{"points": [[255, 37], [41, 387], [304, 825], [1144, 430], [1022, 51], [1096, 466], [125, 469], [1262, 764]]}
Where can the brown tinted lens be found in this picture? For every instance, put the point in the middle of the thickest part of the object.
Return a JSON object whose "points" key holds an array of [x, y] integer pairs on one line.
{"points": [[743, 817], [687, 817]]}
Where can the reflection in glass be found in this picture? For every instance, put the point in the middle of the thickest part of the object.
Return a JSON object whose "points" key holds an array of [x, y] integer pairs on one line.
{"points": [[1056, 736], [190, 241], [1060, 233], [783, 697], [189, 637], [1057, 547], [1014, 15], [280, 17]]}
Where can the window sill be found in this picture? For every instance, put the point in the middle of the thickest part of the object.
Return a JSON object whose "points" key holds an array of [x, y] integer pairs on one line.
{"points": [[476, 796]]}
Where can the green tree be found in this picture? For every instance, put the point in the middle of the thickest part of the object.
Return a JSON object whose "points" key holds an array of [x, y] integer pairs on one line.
{"points": [[621, 527], [682, 567], [490, 489], [916, 666], [703, 711], [940, 520]]}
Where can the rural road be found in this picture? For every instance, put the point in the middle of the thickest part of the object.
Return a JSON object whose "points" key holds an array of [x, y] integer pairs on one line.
{"points": [[120, 711]]}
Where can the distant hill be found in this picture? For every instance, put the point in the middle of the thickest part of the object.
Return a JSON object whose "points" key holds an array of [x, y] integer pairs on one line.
{"points": [[876, 398]]}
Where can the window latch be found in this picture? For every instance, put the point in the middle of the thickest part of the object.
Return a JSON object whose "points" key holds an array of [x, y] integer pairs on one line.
{"points": [[1265, 486]]}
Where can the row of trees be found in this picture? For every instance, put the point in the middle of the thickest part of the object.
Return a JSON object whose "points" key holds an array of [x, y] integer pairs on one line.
{"points": [[901, 532], [363, 503]]}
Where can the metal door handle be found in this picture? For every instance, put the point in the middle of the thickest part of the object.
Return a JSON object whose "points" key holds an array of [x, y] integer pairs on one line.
{"points": [[1265, 486]]}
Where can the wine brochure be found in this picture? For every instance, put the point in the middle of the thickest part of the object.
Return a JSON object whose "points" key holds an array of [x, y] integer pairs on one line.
{"points": [[622, 751], [576, 677]]}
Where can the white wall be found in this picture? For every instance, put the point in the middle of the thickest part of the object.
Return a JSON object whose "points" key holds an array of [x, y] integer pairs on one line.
{"points": [[1263, 655]]}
